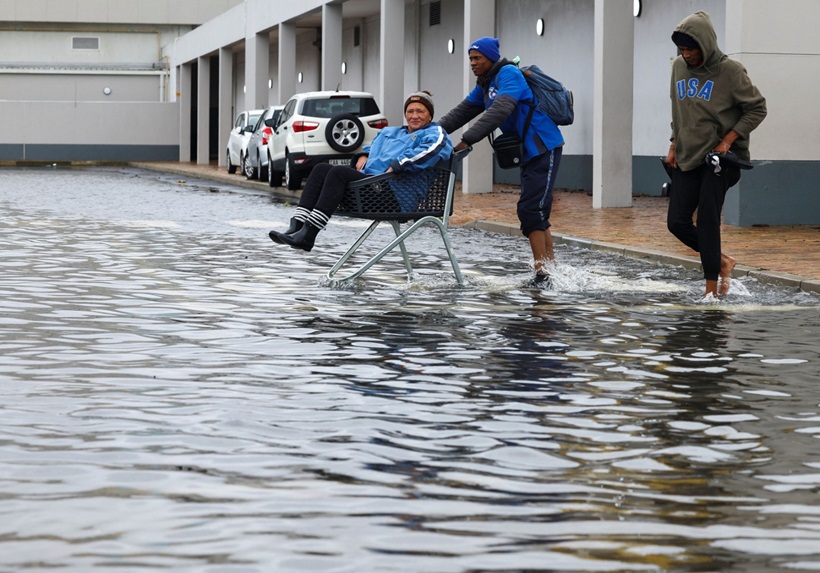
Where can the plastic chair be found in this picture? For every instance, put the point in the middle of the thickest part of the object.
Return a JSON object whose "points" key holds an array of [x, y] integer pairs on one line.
{"points": [[423, 197]]}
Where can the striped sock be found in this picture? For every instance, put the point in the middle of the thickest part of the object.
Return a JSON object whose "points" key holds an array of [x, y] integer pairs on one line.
{"points": [[301, 214], [318, 219]]}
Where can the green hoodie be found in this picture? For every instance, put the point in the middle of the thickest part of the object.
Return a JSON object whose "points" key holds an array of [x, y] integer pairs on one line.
{"points": [[712, 99]]}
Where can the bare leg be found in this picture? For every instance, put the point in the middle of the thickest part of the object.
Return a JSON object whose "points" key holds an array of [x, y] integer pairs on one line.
{"points": [[548, 241], [727, 264], [711, 288], [542, 250]]}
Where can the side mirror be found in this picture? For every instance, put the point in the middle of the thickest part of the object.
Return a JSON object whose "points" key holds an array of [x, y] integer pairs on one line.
{"points": [[270, 122], [247, 128]]}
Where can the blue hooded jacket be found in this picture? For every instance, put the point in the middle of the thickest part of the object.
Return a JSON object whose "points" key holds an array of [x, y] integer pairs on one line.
{"points": [[406, 153], [396, 147]]}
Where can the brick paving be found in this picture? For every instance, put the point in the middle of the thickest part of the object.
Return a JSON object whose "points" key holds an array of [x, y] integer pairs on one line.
{"points": [[788, 254]]}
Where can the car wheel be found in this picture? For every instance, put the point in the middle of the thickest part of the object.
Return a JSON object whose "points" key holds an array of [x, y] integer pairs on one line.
{"points": [[293, 179], [344, 133], [274, 177], [247, 168], [231, 166], [263, 171]]}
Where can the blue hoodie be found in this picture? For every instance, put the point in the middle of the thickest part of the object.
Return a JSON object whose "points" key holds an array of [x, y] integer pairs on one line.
{"points": [[396, 147]]}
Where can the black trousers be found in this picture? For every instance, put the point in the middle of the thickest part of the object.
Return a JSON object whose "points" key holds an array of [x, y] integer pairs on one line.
{"points": [[325, 187], [703, 190]]}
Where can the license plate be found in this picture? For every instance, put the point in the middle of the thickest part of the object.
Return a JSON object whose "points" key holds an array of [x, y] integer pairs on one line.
{"points": [[339, 161]]}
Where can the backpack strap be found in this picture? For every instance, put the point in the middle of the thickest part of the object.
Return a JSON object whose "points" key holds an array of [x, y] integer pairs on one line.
{"points": [[529, 119]]}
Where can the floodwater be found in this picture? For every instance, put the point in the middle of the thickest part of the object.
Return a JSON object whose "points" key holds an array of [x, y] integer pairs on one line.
{"points": [[181, 394]]}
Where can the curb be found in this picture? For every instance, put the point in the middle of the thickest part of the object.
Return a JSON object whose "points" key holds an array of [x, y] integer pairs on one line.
{"points": [[693, 263]]}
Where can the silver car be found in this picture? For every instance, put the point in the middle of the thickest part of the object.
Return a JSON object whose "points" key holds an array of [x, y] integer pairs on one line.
{"points": [[238, 139], [255, 157]]}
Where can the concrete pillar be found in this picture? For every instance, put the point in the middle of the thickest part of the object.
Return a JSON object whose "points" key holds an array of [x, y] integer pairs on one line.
{"points": [[479, 21], [226, 111], [331, 46], [612, 104], [257, 65], [203, 107], [287, 61], [391, 62], [184, 89]]}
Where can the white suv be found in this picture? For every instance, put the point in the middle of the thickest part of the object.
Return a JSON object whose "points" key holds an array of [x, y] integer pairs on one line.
{"points": [[320, 127]]}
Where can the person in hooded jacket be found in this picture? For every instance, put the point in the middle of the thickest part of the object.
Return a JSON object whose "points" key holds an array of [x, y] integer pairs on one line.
{"points": [[715, 107], [402, 149], [503, 100]]}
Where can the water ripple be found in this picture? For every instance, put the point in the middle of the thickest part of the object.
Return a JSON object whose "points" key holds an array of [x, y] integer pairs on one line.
{"points": [[181, 394]]}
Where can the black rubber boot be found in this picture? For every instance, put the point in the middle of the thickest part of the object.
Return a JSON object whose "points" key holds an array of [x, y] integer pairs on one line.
{"points": [[295, 225], [303, 238]]}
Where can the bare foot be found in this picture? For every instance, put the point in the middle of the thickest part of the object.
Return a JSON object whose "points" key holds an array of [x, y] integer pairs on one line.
{"points": [[727, 265]]}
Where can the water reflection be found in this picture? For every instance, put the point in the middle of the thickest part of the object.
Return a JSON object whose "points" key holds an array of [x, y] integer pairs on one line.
{"points": [[179, 395]]}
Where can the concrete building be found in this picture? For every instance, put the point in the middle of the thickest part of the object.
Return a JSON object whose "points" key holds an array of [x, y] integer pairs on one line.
{"points": [[613, 54], [90, 79]]}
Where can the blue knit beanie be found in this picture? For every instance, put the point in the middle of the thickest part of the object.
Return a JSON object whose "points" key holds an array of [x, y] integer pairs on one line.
{"points": [[487, 46]]}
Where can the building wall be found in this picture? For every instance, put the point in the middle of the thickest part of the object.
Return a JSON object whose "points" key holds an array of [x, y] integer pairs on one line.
{"points": [[89, 131], [54, 47], [78, 87], [371, 55], [185, 12], [353, 56], [775, 40], [565, 52], [439, 71], [780, 49], [308, 61], [61, 103]]}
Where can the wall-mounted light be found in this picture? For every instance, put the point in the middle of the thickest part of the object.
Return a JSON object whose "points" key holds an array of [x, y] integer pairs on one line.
{"points": [[107, 91], [299, 77], [451, 46], [637, 6], [539, 27], [244, 89], [270, 84], [344, 68]]}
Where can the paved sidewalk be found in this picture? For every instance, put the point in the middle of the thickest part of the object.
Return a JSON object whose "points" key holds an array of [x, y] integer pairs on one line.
{"points": [[784, 255]]}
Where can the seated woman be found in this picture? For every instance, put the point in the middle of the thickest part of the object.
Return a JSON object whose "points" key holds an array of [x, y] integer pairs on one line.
{"points": [[420, 144]]}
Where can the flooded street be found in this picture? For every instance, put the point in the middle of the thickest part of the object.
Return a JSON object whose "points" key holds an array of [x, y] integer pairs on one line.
{"points": [[182, 394]]}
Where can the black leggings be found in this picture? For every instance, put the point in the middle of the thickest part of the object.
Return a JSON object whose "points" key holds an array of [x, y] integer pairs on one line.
{"points": [[325, 186], [704, 190]]}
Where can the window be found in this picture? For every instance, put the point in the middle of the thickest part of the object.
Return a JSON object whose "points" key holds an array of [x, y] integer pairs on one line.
{"points": [[290, 107], [85, 43], [336, 105]]}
